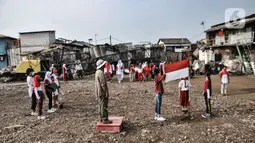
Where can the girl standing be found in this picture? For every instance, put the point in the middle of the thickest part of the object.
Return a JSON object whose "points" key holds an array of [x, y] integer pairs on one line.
{"points": [[64, 72], [207, 96], [30, 81], [224, 81], [153, 67], [159, 91], [108, 71], [113, 70], [49, 90], [39, 96], [56, 93], [132, 73], [119, 72], [184, 94], [140, 74], [147, 71]]}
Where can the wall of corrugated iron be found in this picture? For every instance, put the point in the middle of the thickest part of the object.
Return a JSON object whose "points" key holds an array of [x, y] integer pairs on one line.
{"points": [[13, 56]]}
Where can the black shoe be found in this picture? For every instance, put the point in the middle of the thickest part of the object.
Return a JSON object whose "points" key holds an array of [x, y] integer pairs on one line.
{"points": [[107, 122], [185, 111]]}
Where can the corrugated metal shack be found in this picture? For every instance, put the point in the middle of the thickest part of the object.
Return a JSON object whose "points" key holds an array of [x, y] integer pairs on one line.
{"points": [[9, 51]]}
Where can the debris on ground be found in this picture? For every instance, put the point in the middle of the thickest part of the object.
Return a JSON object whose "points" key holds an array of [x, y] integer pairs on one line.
{"points": [[233, 116]]}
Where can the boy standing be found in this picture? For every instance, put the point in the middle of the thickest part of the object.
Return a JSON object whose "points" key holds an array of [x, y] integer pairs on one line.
{"points": [[224, 81], [159, 91]]}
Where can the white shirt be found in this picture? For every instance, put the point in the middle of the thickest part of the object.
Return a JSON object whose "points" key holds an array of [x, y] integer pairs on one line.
{"points": [[56, 79], [30, 81], [184, 85], [36, 91], [144, 65], [196, 66], [140, 70], [78, 67], [113, 68], [224, 78], [30, 85], [119, 70]]}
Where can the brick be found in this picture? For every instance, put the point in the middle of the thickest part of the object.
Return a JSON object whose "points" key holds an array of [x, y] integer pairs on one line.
{"points": [[114, 127]]}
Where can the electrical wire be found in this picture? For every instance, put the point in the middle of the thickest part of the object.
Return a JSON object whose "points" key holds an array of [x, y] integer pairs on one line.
{"points": [[118, 40], [196, 36], [103, 39]]}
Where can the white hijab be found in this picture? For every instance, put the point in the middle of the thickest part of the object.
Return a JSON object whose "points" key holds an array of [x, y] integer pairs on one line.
{"points": [[120, 64], [48, 76]]}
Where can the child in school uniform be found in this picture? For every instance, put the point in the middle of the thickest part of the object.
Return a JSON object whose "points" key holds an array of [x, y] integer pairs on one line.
{"points": [[147, 71], [159, 91], [184, 94], [224, 81], [30, 81], [132, 73], [153, 67], [207, 96], [140, 74], [55, 79], [39, 96], [49, 90]]}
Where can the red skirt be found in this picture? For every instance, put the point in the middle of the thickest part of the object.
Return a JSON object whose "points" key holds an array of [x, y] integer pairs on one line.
{"points": [[184, 98], [140, 76], [65, 77], [108, 76], [147, 74]]}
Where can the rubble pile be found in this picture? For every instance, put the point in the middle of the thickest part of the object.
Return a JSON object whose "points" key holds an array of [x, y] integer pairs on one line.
{"points": [[8, 74]]}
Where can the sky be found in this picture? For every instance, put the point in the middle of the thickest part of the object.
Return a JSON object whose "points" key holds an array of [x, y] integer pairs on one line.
{"points": [[126, 20]]}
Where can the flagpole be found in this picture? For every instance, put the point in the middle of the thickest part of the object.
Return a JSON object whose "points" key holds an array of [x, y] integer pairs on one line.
{"points": [[189, 81]]}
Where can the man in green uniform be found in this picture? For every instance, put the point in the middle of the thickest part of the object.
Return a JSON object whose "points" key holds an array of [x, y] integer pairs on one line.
{"points": [[102, 92]]}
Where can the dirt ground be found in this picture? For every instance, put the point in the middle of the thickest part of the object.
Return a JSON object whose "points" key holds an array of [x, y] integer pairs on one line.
{"points": [[233, 116]]}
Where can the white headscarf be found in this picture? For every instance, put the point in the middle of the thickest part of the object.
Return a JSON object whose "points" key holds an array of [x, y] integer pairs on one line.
{"points": [[51, 67], [48, 76], [120, 64]]}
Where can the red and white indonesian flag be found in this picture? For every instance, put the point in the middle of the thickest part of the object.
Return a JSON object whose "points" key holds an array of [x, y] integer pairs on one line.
{"points": [[176, 70]]}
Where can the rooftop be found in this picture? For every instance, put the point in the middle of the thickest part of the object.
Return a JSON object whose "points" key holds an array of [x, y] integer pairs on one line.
{"points": [[47, 31], [8, 37], [174, 40], [248, 19]]}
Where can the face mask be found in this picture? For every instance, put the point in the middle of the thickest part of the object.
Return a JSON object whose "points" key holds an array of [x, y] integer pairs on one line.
{"points": [[32, 73]]}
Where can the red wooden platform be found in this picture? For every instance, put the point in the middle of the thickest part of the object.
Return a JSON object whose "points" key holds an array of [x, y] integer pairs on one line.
{"points": [[114, 127]]}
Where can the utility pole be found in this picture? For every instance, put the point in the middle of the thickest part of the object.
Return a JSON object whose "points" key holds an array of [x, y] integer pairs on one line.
{"points": [[110, 39], [90, 40], [96, 38]]}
